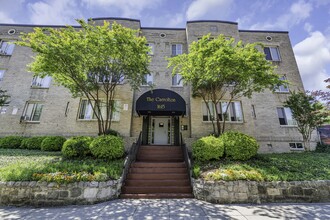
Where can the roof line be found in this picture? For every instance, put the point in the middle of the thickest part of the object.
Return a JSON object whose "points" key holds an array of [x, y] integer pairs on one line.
{"points": [[264, 31], [38, 25], [162, 28], [115, 18], [216, 21]]}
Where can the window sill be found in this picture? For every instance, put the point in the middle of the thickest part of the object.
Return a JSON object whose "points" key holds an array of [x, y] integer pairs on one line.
{"points": [[90, 120], [30, 122], [297, 149], [230, 122], [288, 126], [177, 86], [39, 87], [280, 92]]}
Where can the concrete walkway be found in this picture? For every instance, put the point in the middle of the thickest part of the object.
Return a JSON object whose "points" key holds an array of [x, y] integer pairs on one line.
{"points": [[170, 209]]}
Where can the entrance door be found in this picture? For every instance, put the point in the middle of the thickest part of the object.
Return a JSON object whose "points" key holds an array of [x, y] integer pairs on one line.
{"points": [[161, 130]]}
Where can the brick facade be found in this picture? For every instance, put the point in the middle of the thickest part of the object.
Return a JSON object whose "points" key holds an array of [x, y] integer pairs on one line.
{"points": [[60, 111]]}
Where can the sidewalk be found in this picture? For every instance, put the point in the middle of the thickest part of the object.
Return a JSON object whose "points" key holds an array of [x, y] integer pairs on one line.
{"points": [[171, 209]]}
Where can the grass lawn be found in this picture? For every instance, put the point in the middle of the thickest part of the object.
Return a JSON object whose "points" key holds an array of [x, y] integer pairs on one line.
{"points": [[268, 167], [27, 165]]}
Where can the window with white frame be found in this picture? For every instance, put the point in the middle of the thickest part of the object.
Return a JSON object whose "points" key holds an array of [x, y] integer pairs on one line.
{"points": [[296, 146], [176, 49], [2, 73], [32, 111], [86, 110], [148, 79], [282, 88], [285, 116], [177, 80], [39, 82], [6, 48], [234, 111], [104, 78], [272, 53], [152, 48]]}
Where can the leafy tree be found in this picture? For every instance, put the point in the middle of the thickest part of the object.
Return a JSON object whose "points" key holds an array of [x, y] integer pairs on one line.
{"points": [[90, 61], [4, 98], [309, 114], [224, 69]]}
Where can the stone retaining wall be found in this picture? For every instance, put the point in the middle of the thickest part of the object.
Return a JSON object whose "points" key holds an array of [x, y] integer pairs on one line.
{"points": [[51, 194], [261, 192]]}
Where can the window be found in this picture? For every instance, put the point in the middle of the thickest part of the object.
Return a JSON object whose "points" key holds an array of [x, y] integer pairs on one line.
{"points": [[2, 73], [38, 82], [148, 78], [234, 112], [176, 49], [177, 80], [285, 116], [152, 48], [102, 78], [6, 48], [86, 111], [282, 88], [32, 112], [272, 53], [296, 146]]}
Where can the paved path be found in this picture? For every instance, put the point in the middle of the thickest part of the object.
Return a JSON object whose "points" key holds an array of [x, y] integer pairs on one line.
{"points": [[171, 209]]}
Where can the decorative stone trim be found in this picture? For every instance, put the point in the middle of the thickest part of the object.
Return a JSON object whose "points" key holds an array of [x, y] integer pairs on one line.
{"points": [[261, 192], [52, 194]]}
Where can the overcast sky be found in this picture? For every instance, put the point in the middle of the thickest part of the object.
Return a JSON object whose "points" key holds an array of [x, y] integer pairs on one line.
{"points": [[308, 21]]}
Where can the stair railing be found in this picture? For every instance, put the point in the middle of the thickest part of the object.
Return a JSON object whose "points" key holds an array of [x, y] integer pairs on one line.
{"points": [[186, 156], [131, 157]]}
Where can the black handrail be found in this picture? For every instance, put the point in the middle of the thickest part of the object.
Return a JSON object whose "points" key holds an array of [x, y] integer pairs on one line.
{"points": [[131, 157], [186, 157]]}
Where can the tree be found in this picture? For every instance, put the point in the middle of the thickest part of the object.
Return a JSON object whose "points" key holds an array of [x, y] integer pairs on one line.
{"points": [[4, 98], [309, 114], [90, 61], [224, 69]]}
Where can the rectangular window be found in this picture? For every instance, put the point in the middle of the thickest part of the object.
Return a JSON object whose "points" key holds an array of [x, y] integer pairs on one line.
{"points": [[148, 79], [282, 88], [38, 82], [285, 116], [296, 146], [233, 114], [177, 80], [2, 73], [272, 53], [103, 78], [86, 111], [176, 49], [32, 112], [6, 48], [152, 48]]}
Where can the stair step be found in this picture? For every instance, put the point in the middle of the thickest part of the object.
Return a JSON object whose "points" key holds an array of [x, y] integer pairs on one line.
{"points": [[183, 182], [157, 176], [157, 189], [159, 170], [157, 196], [159, 164], [159, 159]]}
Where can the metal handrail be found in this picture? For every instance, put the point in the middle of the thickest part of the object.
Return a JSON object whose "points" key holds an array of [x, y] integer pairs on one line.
{"points": [[131, 157], [186, 157]]}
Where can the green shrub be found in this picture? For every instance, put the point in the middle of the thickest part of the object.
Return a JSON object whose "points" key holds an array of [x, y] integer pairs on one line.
{"points": [[76, 147], [107, 147], [52, 143], [112, 132], [239, 146], [11, 142], [32, 143], [207, 148], [322, 148]]}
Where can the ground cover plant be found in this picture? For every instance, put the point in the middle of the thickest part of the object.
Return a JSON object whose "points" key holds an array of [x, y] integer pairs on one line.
{"points": [[36, 165], [268, 167]]}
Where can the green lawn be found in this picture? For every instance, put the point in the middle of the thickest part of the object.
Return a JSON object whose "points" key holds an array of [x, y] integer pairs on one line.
{"points": [[26, 165], [269, 167]]}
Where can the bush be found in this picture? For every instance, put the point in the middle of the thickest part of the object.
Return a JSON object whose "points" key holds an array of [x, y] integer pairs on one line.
{"points": [[239, 146], [112, 132], [107, 147], [76, 147], [32, 143], [54, 143], [207, 148], [11, 142], [322, 148]]}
